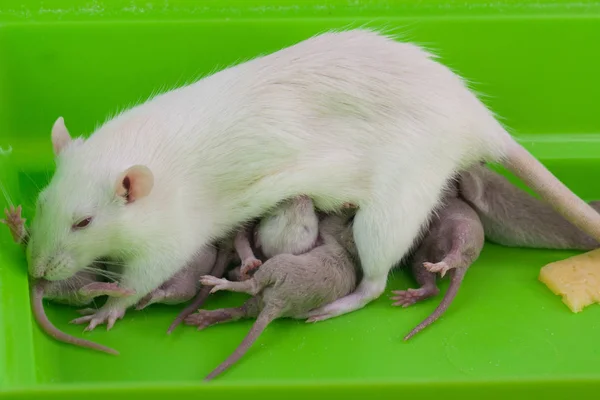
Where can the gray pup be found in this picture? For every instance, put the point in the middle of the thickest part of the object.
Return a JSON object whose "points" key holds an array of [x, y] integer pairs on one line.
{"points": [[513, 217], [291, 228], [287, 286], [452, 243], [184, 285]]}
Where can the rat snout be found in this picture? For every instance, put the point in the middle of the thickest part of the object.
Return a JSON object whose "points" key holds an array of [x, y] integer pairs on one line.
{"points": [[55, 268]]}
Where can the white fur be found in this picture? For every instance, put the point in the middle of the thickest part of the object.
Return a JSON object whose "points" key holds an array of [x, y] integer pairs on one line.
{"points": [[291, 228], [342, 117]]}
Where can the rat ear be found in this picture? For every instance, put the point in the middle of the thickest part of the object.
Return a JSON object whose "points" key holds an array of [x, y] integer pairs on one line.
{"points": [[60, 136], [136, 182]]}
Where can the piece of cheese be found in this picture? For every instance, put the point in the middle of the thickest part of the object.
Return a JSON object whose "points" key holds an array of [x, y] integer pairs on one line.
{"points": [[576, 279]]}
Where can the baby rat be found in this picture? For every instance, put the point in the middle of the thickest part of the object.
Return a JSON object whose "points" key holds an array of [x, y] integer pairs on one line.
{"points": [[185, 284], [351, 116], [513, 217], [223, 258], [285, 286], [452, 243], [79, 290], [291, 228]]}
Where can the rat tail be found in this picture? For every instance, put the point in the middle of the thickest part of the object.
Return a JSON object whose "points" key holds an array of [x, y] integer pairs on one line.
{"points": [[457, 277], [37, 296], [266, 316], [535, 175], [223, 257]]}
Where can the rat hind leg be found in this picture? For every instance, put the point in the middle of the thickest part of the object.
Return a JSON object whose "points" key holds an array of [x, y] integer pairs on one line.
{"points": [[205, 318], [384, 231], [425, 279]]}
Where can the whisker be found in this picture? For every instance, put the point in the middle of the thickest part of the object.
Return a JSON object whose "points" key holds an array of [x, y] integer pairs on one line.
{"points": [[112, 276], [116, 263], [37, 187], [5, 194]]}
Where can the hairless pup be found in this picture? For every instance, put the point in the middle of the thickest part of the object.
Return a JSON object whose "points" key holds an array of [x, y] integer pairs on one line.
{"points": [[452, 243], [287, 285], [291, 228], [79, 290], [513, 217]]}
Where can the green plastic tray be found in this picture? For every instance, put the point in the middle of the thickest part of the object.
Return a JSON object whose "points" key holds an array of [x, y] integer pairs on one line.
{"points": [[537, 63]]}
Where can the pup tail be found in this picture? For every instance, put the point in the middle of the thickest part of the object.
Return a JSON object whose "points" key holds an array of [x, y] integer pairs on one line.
{"points": [[457, 277], [533, 173], [223, 258], [37, 296], [266, 316]]}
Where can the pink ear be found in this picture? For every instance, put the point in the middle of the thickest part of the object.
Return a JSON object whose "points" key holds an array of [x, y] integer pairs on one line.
{"points": [[60, 136], [136, 182]]}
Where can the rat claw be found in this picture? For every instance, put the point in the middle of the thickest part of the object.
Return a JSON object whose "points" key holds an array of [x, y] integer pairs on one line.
{"points": [[81, 320], [93, 324], [111, 322], [317, 318]]}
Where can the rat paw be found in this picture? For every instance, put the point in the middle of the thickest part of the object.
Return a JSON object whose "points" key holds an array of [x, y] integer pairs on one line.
{"points": [[440, 267], [103, 316], [409, 297], [205, 318], [249, 265], [96, 289], [321, 314], [15, 223], [217, 283]]}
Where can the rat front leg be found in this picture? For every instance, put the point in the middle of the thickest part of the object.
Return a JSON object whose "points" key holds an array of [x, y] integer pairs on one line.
{"points": [[250, 286], [245, 252], [97, 289], [16, 224], [141, 277]]}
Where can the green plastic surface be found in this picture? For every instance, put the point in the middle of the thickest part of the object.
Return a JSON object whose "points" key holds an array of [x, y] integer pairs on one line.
{"points": [[537, 63]]}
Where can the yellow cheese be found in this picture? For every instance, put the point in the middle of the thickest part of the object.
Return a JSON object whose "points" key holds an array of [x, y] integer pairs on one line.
{"points": [[576, 279]]}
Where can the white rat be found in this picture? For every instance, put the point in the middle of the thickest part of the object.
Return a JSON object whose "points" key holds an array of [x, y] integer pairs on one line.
{"points": [[350, 116]]}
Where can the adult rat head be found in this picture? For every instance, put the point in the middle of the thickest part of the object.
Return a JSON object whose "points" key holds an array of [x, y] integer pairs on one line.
{"points": [[82, 214]]}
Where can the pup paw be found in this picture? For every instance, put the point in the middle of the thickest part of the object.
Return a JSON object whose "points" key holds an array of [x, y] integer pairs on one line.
{"points": [[217, 283]]}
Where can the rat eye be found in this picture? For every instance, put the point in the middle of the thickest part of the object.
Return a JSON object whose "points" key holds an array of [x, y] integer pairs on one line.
{"points": [[82, 224]]}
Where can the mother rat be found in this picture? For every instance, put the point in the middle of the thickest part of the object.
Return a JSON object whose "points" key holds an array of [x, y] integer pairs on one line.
{"points": [[342, 117]]}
